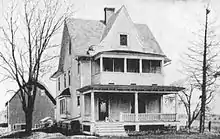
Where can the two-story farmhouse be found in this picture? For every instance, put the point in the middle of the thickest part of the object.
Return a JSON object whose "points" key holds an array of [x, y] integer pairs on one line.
{"points": [[111, 75]]}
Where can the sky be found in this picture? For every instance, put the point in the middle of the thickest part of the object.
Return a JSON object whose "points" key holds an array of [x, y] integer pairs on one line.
{"points": [[171, 22]]}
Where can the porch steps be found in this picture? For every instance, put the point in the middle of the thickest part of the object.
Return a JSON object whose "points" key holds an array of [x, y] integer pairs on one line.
{"points": [[110, 129]]}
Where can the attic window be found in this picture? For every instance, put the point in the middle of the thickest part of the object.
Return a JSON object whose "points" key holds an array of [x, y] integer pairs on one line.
{"points": [[123, 39]]}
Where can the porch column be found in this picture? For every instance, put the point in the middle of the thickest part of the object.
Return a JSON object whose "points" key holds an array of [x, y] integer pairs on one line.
{"points": [[176, 112], [161, 104], [176, 105], [136, 110], [140, 65], [82, 107], [92, 107]]}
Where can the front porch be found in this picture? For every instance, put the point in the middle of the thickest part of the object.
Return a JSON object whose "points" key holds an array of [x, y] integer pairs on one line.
{"points": [[126, 105]]}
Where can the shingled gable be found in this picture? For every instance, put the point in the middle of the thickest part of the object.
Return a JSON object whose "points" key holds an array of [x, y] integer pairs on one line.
{"points": [[87, 33]]}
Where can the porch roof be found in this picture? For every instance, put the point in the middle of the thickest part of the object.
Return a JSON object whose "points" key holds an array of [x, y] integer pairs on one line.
{"points": [[131, 88]]}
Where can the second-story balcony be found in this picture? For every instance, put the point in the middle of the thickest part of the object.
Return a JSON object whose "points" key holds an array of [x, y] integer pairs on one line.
{"points": [[127, 70]]}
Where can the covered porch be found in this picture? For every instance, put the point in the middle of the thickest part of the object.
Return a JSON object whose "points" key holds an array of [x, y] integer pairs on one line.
{"points": [[126, 104]]}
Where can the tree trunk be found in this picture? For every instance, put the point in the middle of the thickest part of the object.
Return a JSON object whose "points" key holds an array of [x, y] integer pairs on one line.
{"points": [[28, 120]]}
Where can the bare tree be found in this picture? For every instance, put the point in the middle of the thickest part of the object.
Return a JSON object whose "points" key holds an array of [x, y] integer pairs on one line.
{"points": [[187, 98], [30, 27], [200, 64]]}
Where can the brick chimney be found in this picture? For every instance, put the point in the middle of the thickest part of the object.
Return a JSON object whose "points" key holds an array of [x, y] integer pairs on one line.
{"points": [[108, 13]]}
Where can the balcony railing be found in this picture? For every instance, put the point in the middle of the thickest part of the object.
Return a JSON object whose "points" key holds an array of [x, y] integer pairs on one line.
{"points": [[147, 117]]}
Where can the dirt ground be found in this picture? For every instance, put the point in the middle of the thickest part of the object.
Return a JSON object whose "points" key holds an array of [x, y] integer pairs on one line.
{"points": [[42, 135]]}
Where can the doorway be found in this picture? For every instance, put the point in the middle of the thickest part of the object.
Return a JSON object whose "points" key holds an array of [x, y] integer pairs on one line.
{"points": [[103, 107]]}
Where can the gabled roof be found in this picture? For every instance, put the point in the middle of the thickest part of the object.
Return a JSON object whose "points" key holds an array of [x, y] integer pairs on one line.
{"points": [[86, 33], [41, 86], [65, 92]]}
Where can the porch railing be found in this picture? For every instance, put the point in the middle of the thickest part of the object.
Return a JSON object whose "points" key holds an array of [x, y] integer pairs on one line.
{"points": [[146, 117]]}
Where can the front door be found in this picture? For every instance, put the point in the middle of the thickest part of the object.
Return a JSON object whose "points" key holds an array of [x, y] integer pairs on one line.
{"points": [[103, 107]]}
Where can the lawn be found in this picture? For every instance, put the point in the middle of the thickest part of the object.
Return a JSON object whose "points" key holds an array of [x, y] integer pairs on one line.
{"points": [[39, 135]]}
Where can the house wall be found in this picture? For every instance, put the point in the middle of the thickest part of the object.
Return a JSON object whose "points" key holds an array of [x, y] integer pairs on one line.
{"points": [[43, 108], [128, 78], [120, 103], [125, 102]]}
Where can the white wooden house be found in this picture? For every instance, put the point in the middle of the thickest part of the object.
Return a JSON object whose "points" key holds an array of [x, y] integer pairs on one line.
{"points": [[111, 75]]}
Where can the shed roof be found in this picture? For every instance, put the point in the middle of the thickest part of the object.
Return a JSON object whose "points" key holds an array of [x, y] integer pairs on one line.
{"points": [[131, 88]]}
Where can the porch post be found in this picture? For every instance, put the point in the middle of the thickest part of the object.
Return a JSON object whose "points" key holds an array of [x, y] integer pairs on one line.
{"points": [[161, 104], [136, 110], [82, 107], [176, 119], [176, 105], [92, 107], [140, 67]]}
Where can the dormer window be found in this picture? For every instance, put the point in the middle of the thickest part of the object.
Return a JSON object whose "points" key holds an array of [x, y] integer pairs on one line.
{"points": [[123, 39]]}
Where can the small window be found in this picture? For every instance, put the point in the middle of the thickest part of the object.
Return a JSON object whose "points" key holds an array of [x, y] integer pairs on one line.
{"points": [[97, 66], [78, 100], [123, 39], [58, 84], [78, 68], [133, 65], [69, 77], [62, 106], [70, 47], [64, 80]]}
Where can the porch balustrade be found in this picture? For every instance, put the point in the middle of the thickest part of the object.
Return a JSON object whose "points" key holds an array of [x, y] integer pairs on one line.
{"points": [[146, 117]]}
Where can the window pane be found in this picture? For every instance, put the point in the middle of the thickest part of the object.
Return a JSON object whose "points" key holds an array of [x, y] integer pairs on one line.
{"points": [[97, 66], [132, 65], [78, 100], [58, 84], [62, 106], [146, 66], [118, 65], [69, 77], [123, 39], [155, 66], [64, 80], [107, 64]]}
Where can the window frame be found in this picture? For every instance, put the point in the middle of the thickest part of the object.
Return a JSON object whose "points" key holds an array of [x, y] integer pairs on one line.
{"points": [[70, 47], [59, 85], [113, 64], [64, 80], [63, 107], [69, 77], [123, 38], [78, 100], [151, 69], [133, 70]]}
